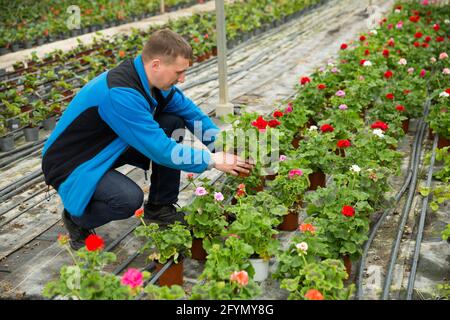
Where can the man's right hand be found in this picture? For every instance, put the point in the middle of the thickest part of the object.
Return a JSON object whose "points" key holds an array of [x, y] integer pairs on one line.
{"points": [[232, 164]]}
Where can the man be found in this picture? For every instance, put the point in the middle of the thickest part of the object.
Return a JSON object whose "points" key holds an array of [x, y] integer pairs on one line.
{"points": [[126, 116]]}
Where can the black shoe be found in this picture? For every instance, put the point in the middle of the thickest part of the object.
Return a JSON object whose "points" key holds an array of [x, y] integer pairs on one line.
{"points": [[163, 215], [77, 234]]}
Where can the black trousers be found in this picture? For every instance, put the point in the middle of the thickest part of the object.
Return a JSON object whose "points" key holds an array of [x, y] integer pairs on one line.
{"points": [[117, 197]]}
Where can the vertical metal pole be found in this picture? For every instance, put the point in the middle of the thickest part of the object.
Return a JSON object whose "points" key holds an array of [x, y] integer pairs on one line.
{"points": [[224, 107], [162, 6]]}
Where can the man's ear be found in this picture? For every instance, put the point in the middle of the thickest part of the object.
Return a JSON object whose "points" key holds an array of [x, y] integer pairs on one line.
{"points": [[155, 64]]}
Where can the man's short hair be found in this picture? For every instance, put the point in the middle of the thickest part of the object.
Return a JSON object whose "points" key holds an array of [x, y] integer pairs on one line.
{"points": [[168, 45]]}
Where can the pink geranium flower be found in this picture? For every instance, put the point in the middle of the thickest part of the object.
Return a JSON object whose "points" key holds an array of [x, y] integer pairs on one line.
{"points": [[133, 278], [295, 172], [218, 196], [200, 191]]}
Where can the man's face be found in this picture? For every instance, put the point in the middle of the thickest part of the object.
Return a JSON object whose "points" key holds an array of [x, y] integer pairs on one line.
{"points": [[168, 74]]}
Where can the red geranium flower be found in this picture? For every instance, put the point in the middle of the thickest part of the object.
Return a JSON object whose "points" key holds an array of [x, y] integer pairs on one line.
{"points": [[406, 91], [390, 96], [447, 90], [388, 74], [94, 242], [326, 128], [418, 35], [362, 38], [343, 144], [305, 80], [348, 211], [367, 52], [427, 39], [321, 86], [425, 45], [274, 123], [313, 294], [391, 43], [278, 114], [139, 212], [416, 44], [344, 46], [379, 125], [414, 19], [436, 27], [400, 108], [386, 53], [362, 61], [260, 123], [440, 39]]}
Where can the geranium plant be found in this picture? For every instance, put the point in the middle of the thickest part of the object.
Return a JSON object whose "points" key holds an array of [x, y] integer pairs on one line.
{"points": [[205, 214], [86, 279], [173, 242], [239, 286]]}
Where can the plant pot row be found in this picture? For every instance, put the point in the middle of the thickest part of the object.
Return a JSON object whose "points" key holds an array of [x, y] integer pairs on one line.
{"points": [[28, 44], [30, 134]]}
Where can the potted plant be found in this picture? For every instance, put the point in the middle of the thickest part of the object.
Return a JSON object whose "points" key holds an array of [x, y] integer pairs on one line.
{"points": [[315, 150], [255, 227], [226, 257], [289, 186], [325, 277], [6, 138], [205, 216], [238, 287], [174, 242], [87, 280], [32, 121], [155, 292], [349, 211]]}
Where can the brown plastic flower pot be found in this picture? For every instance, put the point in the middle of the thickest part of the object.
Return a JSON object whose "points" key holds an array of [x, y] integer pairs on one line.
{"points": [[430, 134], [348, 264], [172, 276], [290, 222], [340, 152], [443, 142], [405, 126], [316, 179], [197, 251], [295, 142], [271, 177]]}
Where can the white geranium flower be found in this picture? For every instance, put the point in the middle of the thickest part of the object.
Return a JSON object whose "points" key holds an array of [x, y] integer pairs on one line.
{"points": [[355, 168], [367, 64], [397, 11], [403, 62], [303, 246], [313, 128], [444, 95], [373, 32], [378, 132], [447, 21]]}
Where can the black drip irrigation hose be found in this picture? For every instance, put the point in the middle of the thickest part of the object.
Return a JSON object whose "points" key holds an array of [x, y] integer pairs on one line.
{"points": [[423, 214], [387, 212], [405, 213], [5, 191]]}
